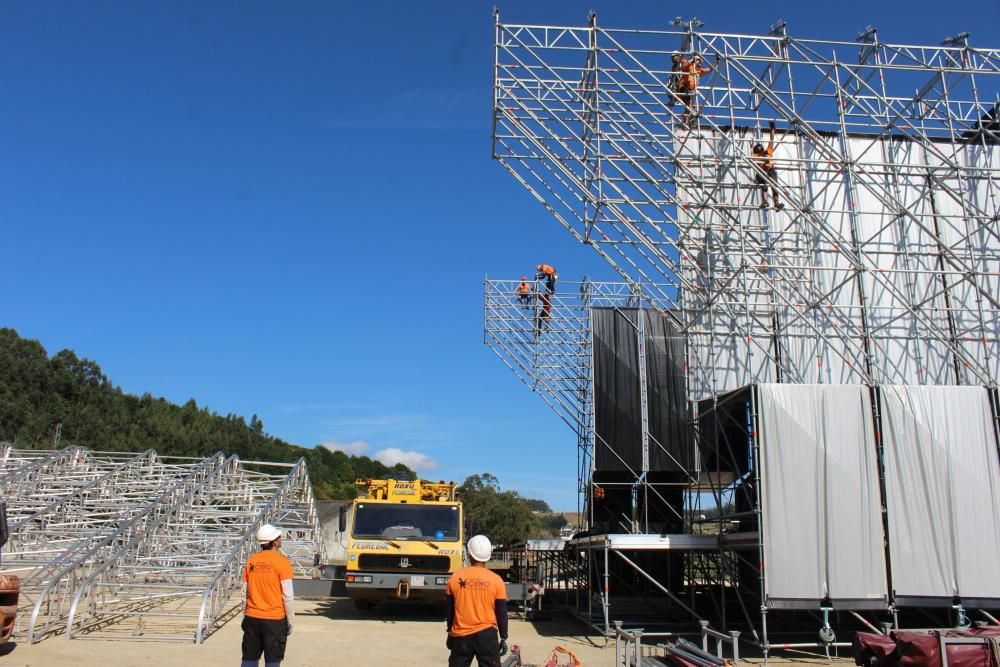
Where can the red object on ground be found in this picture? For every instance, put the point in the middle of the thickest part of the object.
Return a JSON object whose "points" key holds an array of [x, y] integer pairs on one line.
{"points": [[873, 650], [905, 648], [10, 587]]}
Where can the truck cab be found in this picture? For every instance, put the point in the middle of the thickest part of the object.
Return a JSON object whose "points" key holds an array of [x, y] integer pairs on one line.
{"points": [[404, 542]]}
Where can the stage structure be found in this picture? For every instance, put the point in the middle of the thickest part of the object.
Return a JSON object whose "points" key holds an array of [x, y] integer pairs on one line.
{"points": [[874, 278], [137, 546], [883, 265], [597, 348]]}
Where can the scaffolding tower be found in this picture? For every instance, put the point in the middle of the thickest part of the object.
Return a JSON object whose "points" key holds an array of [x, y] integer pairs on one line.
{"points": [[884, 264], [880, 265], [139, 546]]}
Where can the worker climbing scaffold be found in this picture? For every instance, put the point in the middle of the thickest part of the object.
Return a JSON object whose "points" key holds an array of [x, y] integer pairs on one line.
{"points": [[767, 173]]}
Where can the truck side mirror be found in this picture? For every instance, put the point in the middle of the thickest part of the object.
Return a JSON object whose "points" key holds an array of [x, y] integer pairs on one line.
{"points": [[343, 519]]}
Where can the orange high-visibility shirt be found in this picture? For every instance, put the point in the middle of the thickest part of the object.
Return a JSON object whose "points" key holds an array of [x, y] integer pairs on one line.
{"points": [[475, 591], [764, 160], [548, 270], [689, 80], [524, 288], [263, 575]]}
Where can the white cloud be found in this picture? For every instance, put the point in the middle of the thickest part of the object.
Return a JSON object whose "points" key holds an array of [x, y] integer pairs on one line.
{"points": [[415, 460], [355, 448]]}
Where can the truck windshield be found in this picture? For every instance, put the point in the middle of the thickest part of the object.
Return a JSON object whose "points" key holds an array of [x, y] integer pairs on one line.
{"points": [[407, 522]]}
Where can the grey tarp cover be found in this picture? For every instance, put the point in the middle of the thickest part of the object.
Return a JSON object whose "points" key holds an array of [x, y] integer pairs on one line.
{"points": [[819, 487], [942, 491]]}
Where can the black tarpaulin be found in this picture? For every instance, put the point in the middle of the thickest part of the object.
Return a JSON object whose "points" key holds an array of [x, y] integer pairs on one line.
{"points": [[617, 392]]}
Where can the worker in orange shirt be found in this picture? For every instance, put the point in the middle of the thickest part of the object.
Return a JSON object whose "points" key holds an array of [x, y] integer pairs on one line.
{"points": [[523, 292], [766, 171], [269, 601], [687, 85], [477, 610], [549, 275]]}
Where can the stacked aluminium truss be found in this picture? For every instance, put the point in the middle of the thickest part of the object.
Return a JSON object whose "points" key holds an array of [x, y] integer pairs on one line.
{"points": [[140, 546]]}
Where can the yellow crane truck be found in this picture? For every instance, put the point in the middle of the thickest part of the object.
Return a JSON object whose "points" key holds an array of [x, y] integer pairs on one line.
{"points": [[405, 541]]}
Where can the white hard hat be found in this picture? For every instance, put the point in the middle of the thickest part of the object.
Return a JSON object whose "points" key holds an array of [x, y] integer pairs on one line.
{"points": [[480, 548], [268, 533]]}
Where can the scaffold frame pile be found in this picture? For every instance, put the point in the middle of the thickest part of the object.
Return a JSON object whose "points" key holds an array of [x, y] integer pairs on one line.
{"points": [[140, 546]]}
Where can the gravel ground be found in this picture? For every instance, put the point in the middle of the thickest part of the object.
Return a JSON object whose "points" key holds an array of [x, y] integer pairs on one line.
{"points": [[332, 633]]}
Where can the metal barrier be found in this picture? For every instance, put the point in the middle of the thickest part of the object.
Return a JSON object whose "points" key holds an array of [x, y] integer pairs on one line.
{"points": [[732, 638], [629, 646], [630, 650]]}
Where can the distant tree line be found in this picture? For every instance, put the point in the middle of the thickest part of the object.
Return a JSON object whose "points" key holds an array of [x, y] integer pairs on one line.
{"points": [[505, 516], [38, 392]]}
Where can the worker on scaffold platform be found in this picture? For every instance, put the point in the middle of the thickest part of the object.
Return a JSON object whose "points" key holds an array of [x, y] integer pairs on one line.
{"points": [[687, 85], [524, 293], [549, 275], [766, 171]]}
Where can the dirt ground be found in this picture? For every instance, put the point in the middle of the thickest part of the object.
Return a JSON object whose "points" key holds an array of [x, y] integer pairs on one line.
{"points": [[327, 634]]}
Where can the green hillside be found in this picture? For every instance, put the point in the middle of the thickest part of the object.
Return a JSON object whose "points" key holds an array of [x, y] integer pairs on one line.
{"points": [[38, 392]]}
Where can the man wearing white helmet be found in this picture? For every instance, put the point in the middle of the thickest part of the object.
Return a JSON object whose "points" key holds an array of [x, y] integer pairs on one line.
{"points": [[477, 610], [269, 601]]}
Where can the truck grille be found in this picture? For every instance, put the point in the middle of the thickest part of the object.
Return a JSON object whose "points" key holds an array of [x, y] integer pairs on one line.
{"points": [[382, 563]]}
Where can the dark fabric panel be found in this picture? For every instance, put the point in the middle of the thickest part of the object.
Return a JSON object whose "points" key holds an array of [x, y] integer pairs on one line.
{"points": [[667, 395], [618, 421], [616, 390], [613, 510], [724, 439], [658, 505]]}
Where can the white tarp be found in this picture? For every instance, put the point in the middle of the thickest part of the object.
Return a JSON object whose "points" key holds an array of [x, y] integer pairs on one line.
{"points": [[781, 296], [820, 495], [942, 491]]}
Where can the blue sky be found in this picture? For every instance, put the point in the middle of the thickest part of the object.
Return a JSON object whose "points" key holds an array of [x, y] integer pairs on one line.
{"points": [[288, 209]]}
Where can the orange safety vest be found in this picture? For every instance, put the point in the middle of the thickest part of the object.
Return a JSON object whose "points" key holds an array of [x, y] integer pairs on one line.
{"points": [[524, 288], [764, 160], [689, 80], [548, 270]]}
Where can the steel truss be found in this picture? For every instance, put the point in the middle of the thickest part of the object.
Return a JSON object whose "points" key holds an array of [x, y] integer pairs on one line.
{"points": [[882, 267], [552, 355], [139, 546]]}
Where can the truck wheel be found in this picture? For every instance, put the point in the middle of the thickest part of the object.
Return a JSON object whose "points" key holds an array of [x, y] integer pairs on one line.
{"points": [[364, 605]]}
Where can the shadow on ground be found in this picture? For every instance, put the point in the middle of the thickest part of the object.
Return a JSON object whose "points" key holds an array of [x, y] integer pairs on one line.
{"points": [[390, 611]]}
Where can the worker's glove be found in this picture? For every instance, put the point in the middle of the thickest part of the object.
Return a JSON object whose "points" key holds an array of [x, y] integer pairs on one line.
{"points": [[770, 124], [503, 647]]}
